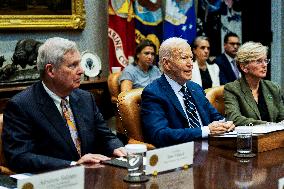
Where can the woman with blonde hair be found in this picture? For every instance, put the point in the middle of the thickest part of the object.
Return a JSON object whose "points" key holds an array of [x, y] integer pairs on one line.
{"points": [[251, 100]]}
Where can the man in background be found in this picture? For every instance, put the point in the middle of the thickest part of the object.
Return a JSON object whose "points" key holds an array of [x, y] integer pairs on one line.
{"points": [[228, 68], [53, 124]]}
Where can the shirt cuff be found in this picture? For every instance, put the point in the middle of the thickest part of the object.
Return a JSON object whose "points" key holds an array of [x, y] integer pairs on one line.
{"points": [[73, 163], [205, 131]]}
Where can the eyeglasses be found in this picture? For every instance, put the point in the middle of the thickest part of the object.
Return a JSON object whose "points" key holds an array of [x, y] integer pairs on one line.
{"points": [[233, 44], [260, 61]]}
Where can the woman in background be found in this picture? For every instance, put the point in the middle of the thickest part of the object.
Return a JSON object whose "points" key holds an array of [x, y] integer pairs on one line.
{"points": [[143, 71], [204, 73], [252, 100]]}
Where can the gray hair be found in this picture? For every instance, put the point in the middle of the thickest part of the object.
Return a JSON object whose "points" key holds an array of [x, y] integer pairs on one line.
{"points": [[169, 48], [250, 51], [197, 40], [53, 51]]}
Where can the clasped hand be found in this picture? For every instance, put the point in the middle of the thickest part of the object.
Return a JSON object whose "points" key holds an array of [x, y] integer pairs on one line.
{"points": [[220, 127]]}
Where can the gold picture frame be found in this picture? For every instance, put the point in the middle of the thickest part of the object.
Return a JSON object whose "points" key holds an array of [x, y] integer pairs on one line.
{"points": [[22, 20]]}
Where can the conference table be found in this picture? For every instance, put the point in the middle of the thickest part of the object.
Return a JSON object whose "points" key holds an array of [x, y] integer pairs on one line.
{"points": [[213, 168]]}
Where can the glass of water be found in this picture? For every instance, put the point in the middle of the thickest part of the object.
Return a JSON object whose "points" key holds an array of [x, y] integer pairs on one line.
{"points": [[135, 155], [244, 141]]}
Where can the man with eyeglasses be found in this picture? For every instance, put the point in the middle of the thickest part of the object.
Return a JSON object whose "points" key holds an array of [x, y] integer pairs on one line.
{"points": [[228, 68]]}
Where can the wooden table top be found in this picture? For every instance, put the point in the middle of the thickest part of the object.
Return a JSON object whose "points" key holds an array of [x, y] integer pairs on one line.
{"points": [[212, 168]]}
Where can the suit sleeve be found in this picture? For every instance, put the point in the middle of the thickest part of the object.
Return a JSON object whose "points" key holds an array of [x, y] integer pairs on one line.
{"points": [[19, 144], [222, 75], [233, 111], [280, 116], [109, 140], [157, 127]]}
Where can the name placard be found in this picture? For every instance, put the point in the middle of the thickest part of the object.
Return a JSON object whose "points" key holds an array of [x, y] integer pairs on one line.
{"points": [[168, 158], [70, 178]]}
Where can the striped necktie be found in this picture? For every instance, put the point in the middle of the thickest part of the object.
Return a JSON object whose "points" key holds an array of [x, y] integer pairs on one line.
{"points": [[190, 108], [68, 115]]}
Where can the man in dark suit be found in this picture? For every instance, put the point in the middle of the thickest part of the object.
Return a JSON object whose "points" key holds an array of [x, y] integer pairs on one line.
{"points": [[175, 110], [228, 68], [41, 132]]}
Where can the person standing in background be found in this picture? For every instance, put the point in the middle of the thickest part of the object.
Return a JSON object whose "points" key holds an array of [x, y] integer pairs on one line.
{"points": [[228, 68]]}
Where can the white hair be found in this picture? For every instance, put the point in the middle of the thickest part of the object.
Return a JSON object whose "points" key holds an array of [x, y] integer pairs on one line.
{"points": [[53, 51], [169, 48]]}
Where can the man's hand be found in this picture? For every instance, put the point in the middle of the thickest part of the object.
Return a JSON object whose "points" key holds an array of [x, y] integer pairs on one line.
{"points": [[217, 127], [92, 158], [120, 152]]}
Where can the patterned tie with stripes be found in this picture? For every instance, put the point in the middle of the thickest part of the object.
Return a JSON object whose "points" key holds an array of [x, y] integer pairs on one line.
{"points": [[68, 115], [190, 107]]}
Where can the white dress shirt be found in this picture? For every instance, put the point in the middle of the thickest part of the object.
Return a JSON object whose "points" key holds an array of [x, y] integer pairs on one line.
{"points": [[176, 88]]}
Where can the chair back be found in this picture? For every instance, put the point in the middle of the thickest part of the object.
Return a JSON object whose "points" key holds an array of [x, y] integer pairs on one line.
{"points": [[113, 86], [215, 96], [2, 158], [3, 168], [129, 110]]}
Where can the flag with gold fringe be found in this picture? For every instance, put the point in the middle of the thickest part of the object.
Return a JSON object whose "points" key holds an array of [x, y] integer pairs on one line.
{"points": [[121, 32]]}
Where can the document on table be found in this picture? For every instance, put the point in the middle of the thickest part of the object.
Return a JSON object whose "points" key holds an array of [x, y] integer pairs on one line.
{"points": [[256, 130]]}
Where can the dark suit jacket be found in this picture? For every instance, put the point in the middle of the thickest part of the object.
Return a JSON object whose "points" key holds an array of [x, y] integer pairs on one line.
{"points": [[226, 73], [164, 121], [241, 108], [35, 135]]}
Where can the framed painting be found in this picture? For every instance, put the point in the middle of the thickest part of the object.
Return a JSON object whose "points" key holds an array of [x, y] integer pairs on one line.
{"points": [[42, 14]]}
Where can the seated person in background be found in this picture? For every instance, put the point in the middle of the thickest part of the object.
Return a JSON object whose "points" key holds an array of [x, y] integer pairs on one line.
{"points": [[228, 68], [251, 99], [143, 71], [53, 124], [203, 73], [174, 109]]}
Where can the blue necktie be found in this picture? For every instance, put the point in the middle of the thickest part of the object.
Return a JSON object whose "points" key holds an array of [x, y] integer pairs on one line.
{"points": [[236, 70], [190, 109]]}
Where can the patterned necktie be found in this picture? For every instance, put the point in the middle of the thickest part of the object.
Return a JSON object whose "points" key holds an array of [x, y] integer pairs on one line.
{"points": [[68, 115], [190, 109]]}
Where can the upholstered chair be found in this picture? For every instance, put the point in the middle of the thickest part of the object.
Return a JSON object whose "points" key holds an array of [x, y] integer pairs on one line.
{"points": [[215, 96], [114, 90], [113, 86], [129, 111], [3, 167]]}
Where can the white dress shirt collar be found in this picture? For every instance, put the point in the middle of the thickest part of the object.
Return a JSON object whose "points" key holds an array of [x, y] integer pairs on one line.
{"points": [[229, 58], [56, 99]]}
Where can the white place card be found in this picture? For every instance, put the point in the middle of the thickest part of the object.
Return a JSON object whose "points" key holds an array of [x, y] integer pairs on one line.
{"points": [[69, 178], [281, 183], [168, 158]]}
